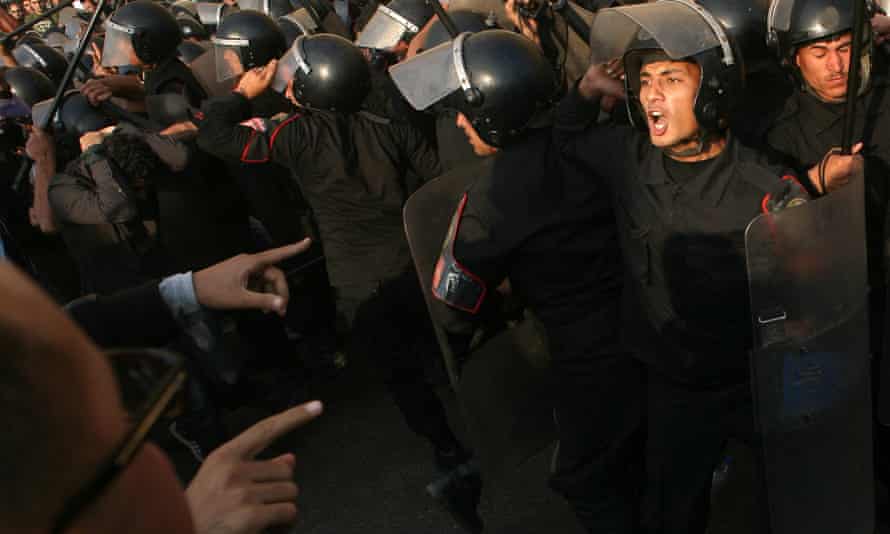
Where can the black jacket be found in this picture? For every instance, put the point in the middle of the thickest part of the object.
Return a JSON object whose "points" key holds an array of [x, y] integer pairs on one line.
{"points": [[682, 238], [352, 171], [540, 221]]}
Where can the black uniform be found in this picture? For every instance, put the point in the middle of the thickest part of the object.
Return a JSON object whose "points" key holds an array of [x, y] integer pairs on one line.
{"points": [[537, 220], [352, 171], [681, 228], [801, 136]]}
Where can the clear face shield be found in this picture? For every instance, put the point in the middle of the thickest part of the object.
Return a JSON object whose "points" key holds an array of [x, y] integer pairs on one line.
{"points": [[676, 29], [432, 75], [255, 5], [209, 13], [385, 29], [294, 60], [230, 57], [118, 49], [25, 55], [302, 19]]}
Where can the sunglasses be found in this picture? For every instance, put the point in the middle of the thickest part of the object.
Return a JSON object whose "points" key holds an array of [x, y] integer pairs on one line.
{"points": [[149, 381]]}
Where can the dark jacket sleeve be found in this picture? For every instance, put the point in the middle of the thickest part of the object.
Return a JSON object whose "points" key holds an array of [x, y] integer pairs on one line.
{"points": [[222, 135], [424, 159], [600, 148], [136, 317], [101, 199]]}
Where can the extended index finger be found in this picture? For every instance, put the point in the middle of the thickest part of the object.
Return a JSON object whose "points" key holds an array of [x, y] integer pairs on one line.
{"points": [[252, 441], [275, 255]]}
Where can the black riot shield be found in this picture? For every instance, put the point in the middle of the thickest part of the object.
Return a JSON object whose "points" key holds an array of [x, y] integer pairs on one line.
{"points": [[810, 367], [503, 385]]}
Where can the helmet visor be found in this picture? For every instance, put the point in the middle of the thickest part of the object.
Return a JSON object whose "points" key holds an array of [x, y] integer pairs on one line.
{"points": [[427, 77], [230, 54], [779, 15], [302, 20], [27, 56], [209, 13], [40, 113], [118, 49], [678, 27], [385, 29], [289, 64], [255, 5]]}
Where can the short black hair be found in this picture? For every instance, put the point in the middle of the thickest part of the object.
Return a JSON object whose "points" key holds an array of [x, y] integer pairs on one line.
{"points": [[131, 154]]}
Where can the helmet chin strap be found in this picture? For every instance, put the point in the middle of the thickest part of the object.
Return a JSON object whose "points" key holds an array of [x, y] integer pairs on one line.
{"points": [[702, 142]]}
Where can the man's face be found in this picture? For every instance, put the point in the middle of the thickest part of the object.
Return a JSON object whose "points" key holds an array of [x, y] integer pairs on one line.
{"points": [[824, 65], [480, 147], [15, 11], [89, 421], [667, 94], [29, 7]]}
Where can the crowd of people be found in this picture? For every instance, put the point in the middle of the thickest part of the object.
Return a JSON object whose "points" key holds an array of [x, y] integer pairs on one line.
{"points": [[198, 196]]}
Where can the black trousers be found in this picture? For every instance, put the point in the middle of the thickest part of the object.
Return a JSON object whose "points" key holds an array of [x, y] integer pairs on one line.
{"points": [[390, 324], [687, 431], [598, 407]]}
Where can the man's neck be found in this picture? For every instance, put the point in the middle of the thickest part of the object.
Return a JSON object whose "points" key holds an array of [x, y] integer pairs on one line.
{"points": [[711, 148]]}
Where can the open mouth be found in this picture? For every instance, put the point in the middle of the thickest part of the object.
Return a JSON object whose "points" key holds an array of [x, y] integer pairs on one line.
{"points": [[658, 123]]}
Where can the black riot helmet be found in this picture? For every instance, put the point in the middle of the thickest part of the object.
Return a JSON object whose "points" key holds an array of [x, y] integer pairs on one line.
{"points": [[142, 31], [398, 21], [28, 85], [498, 79], [794, 23], [244, 40], [42, 57], [192, 28], [745, 22], [328, 73], [75, 116], [672, 30], [273, 8], [464, 20]]}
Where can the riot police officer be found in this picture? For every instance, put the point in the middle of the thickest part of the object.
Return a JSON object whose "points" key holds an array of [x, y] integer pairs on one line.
{"points": [[144, 34], [351, 168], [529, 216], [814, 47], [684, 191]]}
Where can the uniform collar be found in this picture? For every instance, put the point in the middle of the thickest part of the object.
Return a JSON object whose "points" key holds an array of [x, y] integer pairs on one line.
{"points": [[795, 103], [711, 184]]}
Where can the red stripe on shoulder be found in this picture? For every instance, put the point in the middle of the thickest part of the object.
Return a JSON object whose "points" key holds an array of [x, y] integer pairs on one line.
{"points": [[272, 137]]}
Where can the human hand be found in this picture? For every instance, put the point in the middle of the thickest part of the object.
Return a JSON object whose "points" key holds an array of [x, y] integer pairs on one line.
{"points": [[96, 91], [248, 281], [180, 130], [526, 26], [94, 138], [233, 493], [255, 81], [40, 146], [603, 80], [837, 169]]}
